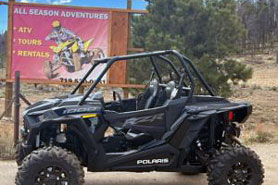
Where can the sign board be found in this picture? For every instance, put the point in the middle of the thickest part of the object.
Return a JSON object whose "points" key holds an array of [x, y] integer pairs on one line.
{"points": [[57, 43]]}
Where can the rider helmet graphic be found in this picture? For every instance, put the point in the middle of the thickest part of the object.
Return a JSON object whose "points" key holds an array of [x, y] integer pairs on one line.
{"points": [[56, 24]]}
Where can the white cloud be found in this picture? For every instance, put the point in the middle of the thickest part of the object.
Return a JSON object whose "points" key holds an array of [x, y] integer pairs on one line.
{"points": [[58, 1], [28, 1]]}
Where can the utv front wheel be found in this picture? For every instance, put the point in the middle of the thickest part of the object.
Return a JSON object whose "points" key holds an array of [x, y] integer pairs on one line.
{"points": [[51, 166], [19, 154], [235, 166]]}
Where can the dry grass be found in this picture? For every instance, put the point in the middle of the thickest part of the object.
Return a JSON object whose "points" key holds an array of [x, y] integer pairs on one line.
{"points": [[262, 92], [258, 134], [6, 140], [265, 69]]}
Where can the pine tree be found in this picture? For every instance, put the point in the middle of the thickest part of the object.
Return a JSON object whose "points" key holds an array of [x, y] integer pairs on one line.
{"points": [[206, 31]]}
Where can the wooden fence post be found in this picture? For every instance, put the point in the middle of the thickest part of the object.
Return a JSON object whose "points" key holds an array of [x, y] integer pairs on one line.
{"points": [[9, 85]]}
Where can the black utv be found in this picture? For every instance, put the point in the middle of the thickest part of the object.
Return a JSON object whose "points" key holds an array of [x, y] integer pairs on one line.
{"points": [[177, 124]]}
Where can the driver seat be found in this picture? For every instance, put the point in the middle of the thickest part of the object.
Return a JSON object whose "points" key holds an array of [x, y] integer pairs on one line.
{"points": [[139, 137], [148, 98]]}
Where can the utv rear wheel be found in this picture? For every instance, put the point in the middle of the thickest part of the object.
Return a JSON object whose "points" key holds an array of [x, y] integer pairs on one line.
{"points": [[51, 166], [235, 166]]}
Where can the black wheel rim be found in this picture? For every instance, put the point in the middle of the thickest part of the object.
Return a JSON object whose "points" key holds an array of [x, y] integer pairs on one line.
{"points": [[52, 175], [240, 174]]}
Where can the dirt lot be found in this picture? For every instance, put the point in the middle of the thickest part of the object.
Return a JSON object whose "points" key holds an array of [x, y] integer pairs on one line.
{"points": [[268, 154]]}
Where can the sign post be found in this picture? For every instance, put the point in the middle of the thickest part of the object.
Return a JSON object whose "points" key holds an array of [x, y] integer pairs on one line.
{"points": [[9, 85]]}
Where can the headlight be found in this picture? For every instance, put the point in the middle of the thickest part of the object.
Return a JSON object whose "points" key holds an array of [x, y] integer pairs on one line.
{"points": [[23, 132]]}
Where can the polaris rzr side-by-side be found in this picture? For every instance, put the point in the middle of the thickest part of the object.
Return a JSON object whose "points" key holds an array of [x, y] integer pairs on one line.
{"points": [[177, 124]]}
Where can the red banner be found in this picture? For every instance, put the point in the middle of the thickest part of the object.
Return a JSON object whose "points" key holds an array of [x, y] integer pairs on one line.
{"points": [[53, 43]]}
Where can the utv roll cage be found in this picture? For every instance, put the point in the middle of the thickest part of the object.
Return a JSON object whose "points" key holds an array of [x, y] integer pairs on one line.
{"points": [[185, 62]]}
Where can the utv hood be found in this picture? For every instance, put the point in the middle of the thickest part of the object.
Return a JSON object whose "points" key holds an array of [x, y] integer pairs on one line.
{"points": [[47, 104], [57, 107]]}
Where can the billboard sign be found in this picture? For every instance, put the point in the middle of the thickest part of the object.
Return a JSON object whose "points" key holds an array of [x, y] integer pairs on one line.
{"points": [[57, 43]]}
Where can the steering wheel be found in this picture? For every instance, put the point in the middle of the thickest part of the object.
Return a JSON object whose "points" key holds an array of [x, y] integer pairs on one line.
{"points": [[116, 96]]}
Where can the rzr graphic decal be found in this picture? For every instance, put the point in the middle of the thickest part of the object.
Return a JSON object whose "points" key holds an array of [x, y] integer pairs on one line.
{"points": [[144, 119]]}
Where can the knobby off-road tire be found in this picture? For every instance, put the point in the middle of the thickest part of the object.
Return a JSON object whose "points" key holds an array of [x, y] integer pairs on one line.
{"points": [[19, 155], [235, 166], [51, 166]]}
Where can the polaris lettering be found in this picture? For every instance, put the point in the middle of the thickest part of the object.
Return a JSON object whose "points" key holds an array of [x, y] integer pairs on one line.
{"points": [[153, 161]]}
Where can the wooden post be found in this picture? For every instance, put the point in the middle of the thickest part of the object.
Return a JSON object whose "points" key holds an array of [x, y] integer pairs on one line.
{"points": [[81, 90], [9, 85], [8, 99], [129, 7], [118, 46]]}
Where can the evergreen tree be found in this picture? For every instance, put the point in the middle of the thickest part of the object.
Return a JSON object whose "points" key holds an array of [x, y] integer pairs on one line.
{"points": [[206, 31], [259, 18]]}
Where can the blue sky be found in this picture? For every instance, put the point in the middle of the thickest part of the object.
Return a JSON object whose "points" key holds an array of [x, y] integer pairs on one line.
{"points": [[136, 4]]}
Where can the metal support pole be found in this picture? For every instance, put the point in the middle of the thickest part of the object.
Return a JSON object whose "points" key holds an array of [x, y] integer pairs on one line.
{"points": [[16, 106], [27, 102]]}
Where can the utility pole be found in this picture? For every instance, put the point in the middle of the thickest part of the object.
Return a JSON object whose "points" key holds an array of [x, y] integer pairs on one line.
{"points": [[9, 85]]}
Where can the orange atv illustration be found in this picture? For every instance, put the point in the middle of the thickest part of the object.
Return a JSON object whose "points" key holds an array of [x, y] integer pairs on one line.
{"points": [[67, 54]]}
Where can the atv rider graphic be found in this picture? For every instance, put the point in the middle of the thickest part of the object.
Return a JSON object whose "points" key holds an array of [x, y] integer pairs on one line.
{"points": [[70, 51], [60, 35]]}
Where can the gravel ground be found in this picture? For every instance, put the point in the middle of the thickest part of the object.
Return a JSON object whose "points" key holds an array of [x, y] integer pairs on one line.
{"points": [[267, 152]]}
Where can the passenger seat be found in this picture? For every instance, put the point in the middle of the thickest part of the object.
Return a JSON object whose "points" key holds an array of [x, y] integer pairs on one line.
{"points": [[166, 94]]}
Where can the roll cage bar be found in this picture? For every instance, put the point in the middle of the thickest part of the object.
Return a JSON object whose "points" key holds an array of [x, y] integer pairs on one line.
{"points": [[186, 63]]}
